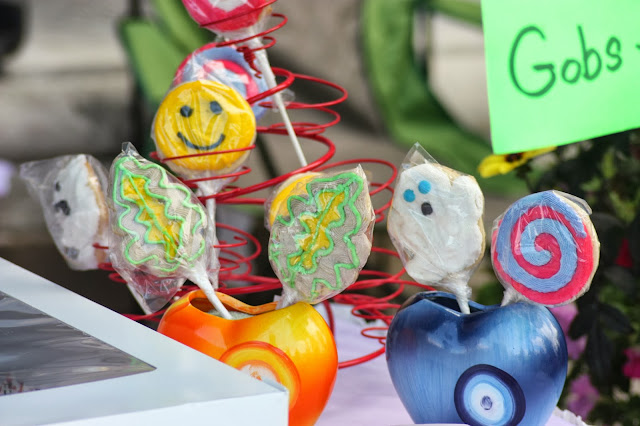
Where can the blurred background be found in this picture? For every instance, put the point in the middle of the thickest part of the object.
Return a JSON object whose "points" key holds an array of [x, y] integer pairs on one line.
{"points": [[72, 81], [81, 76]]}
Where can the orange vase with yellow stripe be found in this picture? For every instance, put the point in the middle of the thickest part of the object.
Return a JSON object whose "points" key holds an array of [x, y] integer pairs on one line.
{"points": [[292, 346]]}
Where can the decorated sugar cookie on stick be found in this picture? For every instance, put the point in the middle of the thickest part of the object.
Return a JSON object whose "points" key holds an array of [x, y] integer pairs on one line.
{"points": [[158, 230], [199, 121], [321, 232], [71, 190], [544, 249], [225, 65], [435, 223], [243, 19]]}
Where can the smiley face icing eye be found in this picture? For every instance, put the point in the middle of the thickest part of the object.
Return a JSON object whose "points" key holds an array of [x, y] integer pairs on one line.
{"points": [[186, 111], [215, 107], [486, 395], [426, 208]]}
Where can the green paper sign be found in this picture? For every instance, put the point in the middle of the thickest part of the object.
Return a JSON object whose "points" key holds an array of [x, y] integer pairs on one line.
{"points": [[561, 71]]}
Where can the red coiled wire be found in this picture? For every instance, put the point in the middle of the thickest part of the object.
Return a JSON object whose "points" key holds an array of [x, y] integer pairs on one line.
{"points": [[236, 268]]}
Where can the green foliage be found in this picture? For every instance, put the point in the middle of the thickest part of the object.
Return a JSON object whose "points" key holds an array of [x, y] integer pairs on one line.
{"points": [[606, 173]]}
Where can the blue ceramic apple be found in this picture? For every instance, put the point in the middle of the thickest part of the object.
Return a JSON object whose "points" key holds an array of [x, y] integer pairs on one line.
{"points": [[495, 366]]}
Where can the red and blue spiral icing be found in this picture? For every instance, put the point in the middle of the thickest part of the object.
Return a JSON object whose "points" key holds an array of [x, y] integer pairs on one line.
{"points": [[545, 249]]}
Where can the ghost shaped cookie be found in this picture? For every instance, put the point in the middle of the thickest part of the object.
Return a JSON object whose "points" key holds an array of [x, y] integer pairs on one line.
{"points": [[71, 193], [435, 223]]}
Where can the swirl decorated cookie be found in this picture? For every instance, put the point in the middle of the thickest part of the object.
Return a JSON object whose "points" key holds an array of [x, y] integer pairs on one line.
{"points": [[224, 16], [225, 65], [545, 249]]}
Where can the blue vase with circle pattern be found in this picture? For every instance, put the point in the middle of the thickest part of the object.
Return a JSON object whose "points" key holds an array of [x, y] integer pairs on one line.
{"points": [[495, 366]]}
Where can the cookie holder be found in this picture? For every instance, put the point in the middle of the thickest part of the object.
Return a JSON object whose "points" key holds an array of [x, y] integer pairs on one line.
{"points": [[236, 275]]}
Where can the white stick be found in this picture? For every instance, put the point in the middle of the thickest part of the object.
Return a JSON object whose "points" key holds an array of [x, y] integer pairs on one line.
{"points": [[458, 285], [211, 295], [265, 69], [510, 296], [205, 189], [213, 236], [463, 302], [206, 284]]}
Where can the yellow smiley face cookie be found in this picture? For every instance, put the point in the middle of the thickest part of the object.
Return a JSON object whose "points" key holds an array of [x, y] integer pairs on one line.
{"points": [[200, 117]]}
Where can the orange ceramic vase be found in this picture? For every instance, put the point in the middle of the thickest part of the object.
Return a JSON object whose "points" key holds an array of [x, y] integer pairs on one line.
{"points": [[291, 346]]}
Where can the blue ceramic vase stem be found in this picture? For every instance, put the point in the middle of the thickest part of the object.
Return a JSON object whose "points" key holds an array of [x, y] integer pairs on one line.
{"points": [[495, 366]]}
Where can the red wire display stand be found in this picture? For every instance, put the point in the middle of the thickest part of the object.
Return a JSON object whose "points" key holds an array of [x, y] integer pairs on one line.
{"points": [[236, 275]]}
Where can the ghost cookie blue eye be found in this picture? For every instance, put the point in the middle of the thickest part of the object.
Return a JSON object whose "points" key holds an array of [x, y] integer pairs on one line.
{"points": [[424, 187], [409, 196]]}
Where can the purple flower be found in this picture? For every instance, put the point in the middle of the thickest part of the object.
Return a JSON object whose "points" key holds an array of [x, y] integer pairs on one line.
{"points": [[582, 396], [631, 368], [565, 315]]}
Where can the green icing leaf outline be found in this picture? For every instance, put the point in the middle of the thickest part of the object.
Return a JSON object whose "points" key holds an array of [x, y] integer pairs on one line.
{"points": [[121, 172], [289, 272]]}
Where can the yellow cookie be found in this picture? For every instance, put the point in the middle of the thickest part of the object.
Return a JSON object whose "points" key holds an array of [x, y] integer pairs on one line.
{"points": [[200, 117]]}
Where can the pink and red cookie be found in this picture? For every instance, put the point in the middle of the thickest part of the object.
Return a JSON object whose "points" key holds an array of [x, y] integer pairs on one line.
{"points": [[225, 65], [226, 15], [545, 248]]}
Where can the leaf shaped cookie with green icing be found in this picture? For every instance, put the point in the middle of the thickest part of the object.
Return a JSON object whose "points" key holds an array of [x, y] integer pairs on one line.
{"points": [[158, 228], [321, 232]]}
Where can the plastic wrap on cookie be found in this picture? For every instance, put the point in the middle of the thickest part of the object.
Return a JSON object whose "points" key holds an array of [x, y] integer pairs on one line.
{"points": [[158, 228], [226, 65], [544, 249], [231, 18], [435, 222], [204, 129], [71, 191], [321, 232]]}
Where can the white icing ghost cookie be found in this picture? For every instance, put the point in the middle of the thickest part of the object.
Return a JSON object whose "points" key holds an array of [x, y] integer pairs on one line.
{"points": [[435, 223], [70, 191]]}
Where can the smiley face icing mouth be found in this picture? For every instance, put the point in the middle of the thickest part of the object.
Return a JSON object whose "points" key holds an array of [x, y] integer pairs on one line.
{"points": [[191, 145]]}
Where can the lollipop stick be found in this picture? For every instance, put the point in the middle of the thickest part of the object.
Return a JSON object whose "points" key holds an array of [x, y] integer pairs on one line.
{"points": [[463, 302], [206, 188], [207, 288], [208, 285], [458, 285], [510, 296], [265, 69], [212, 237], [215, 301]]}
